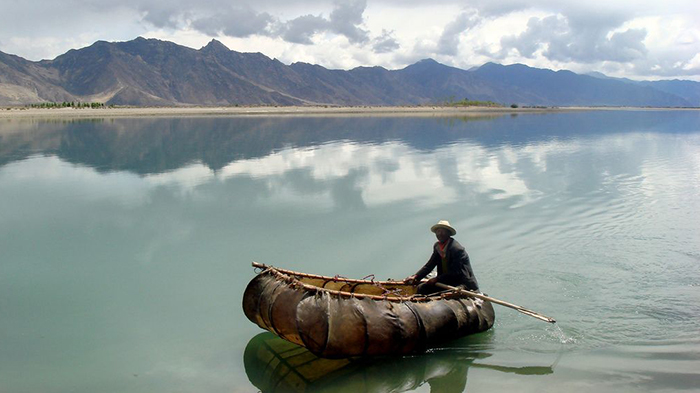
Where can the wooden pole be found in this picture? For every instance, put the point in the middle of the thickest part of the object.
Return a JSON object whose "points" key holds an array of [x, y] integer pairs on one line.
{"points": [[501, 302], [439, 285]]}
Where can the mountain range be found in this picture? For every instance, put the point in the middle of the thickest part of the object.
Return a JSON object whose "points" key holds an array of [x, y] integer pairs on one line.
{"points": [[150, 72]]}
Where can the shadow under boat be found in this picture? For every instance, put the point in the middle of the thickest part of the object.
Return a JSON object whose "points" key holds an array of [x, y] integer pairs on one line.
{"points": [[275, 365]]}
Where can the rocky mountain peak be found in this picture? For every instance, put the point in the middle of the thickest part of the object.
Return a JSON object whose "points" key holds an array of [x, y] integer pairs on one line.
{"points": [[154, 72], [215, 46]]}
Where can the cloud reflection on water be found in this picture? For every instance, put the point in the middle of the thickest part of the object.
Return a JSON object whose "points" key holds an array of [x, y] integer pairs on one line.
{"points": [[386, 173], [143, 230]]}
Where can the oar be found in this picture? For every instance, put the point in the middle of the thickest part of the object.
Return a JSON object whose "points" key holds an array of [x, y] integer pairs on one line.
{"points": [[501, 302]]}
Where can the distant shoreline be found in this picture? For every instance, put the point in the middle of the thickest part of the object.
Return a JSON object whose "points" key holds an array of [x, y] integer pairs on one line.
{"points": [[203, 111]]}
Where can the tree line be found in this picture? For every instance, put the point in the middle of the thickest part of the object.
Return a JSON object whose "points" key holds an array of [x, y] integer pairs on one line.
{"points": [[67, 104], [467, 102]]}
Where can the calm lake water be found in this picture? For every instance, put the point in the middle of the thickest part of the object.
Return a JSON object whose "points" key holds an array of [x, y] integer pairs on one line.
{"points": [[126, 244]]}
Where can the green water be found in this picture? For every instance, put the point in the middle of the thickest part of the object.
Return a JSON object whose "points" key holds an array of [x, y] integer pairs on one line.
{"points": [[125, 245]]}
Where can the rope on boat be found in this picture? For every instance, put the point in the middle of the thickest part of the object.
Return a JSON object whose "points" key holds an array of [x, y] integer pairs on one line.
{"points": [[289, 277], [296, 284]]}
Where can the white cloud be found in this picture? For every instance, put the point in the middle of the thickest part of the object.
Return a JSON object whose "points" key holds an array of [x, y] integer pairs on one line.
{"points": [[448, 44], [385, 43], [234, 22], [557, 38], [633, 39]]}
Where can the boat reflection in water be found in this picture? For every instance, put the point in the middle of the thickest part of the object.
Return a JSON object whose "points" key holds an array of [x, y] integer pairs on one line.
{"points": [[275, 365]]}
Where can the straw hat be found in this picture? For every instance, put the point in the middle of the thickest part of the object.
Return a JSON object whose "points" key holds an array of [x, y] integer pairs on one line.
{"points": [[444, 224]]}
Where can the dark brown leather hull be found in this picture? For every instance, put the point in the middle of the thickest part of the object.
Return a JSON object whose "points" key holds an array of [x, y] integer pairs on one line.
{"points": [[352, 321]]}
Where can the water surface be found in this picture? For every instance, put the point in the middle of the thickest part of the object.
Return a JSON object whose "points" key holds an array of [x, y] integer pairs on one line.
{"points": [[126, 245]]}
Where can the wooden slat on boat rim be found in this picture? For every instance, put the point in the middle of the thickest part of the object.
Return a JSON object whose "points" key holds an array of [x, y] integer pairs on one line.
{"points": [[288, 276]]}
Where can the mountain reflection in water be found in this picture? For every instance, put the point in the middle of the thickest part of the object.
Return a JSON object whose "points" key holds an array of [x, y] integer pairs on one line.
{"points": [[148, 146], [125, 245], [276, 365], [157, 145]]}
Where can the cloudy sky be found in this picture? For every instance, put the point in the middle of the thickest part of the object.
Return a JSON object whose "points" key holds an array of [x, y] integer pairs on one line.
{"points": [[640, 39]]}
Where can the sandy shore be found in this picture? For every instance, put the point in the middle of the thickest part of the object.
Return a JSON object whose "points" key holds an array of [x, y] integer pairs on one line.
{"points": [[285, 111], [262, 111]]}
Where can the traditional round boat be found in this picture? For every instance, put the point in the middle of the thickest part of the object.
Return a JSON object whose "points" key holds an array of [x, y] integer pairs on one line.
{"points": [[337, 317]]}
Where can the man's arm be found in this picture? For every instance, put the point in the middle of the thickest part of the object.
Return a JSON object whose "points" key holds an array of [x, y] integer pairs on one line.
{"points": [[427, 268]]}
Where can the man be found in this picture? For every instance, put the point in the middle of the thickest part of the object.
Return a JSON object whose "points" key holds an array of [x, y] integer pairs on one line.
{"points": [[452, 261]]}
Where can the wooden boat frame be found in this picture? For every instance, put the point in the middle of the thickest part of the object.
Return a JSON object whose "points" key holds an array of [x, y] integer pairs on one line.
{"points": [[288, 276], [359, 317]]}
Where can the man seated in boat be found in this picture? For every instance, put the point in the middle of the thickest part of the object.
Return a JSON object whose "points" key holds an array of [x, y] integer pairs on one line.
{"points": [[451, 260]]}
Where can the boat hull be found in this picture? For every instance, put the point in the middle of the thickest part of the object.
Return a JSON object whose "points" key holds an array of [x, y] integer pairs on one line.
{"points": [[339, 324]]}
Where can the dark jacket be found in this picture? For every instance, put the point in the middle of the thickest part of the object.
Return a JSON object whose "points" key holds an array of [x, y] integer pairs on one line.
{"points": [[459, 270]]}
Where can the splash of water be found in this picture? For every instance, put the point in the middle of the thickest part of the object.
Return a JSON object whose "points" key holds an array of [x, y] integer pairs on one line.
{"points": [[556, 331]]}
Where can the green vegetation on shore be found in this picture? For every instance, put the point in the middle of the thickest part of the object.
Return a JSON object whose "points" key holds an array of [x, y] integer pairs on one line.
{"points": [[468, 102]]}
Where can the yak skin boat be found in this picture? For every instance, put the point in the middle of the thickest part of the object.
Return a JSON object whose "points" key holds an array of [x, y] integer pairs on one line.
{"points": [[336, 317]]}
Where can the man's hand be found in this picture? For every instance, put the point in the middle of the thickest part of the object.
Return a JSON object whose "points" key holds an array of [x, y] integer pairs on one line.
{"points": [[410, 280]]}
